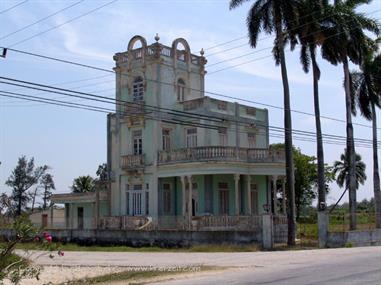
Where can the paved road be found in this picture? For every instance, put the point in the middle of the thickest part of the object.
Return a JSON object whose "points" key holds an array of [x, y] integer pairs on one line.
{"points": [[328, 266]]}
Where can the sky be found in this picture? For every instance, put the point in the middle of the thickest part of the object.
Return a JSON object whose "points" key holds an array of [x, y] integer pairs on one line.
{"points": [[73, 142]]}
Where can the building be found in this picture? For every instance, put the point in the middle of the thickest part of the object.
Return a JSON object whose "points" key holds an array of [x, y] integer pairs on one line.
{"points": [[179, 159]]}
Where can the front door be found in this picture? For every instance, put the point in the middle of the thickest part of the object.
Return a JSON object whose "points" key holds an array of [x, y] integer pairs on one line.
{"points": [[80, 218]]}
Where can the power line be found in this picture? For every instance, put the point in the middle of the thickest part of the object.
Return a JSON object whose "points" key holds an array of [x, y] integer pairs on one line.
{"points": [[39, 21], [12, 7], [172, 121], [64, 23], [297, 27], [188, 88], [271, 47], [159, 109]]}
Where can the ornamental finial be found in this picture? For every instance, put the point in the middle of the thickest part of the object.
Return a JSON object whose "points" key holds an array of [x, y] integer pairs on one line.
{"points": [[202, 52], [157, 38]]}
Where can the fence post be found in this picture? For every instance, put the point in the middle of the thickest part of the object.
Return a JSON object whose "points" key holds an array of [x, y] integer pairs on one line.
{"points": [[323, 228], [267, 231]]}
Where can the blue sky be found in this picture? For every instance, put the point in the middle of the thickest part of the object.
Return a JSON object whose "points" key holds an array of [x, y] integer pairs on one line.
{"points": [[73, 142]]}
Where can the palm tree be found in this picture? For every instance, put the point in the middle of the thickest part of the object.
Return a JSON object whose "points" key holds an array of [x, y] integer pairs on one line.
{"points": [[274, 16], [345, 40], [83, 184], [367, 95], [310, 37], [342, 170]]}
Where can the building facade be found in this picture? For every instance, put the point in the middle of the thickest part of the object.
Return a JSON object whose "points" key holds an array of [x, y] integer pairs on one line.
{"points": [[178, 159]]}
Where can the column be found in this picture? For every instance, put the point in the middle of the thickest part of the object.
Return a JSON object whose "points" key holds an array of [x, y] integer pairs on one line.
{"points": [[190, 210], [248, 195], [71, 215], [96, 220], [274, 195], [183, 198], [236, 191], [284, 196]]}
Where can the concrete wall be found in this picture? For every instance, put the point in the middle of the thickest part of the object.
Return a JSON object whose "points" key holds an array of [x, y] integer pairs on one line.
{"points": [[354, 238]]}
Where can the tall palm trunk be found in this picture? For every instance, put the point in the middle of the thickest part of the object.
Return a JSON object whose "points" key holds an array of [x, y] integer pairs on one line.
{"points": [[350, 148], [319, 138], [322, 217], [288, 140], [376, 176]]}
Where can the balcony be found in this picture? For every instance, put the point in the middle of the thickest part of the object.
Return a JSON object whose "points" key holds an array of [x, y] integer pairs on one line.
{"points": [[221, 153], [131, 162]]}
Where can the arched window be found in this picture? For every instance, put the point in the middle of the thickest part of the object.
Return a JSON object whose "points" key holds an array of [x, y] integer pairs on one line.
{"points": [[180, 90], [138, 89]]}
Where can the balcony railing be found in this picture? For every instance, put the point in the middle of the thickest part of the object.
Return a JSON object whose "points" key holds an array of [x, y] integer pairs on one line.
{"points": [[132, 161], [223, 153]]}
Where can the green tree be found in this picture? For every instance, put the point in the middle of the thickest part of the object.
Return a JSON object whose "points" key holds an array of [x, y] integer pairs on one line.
{"points": [[341, 169], [83, 184], [367, 95], [274, 16], [47, 184], [306, 179], [102, 172], [345, 40], [23, 177]]}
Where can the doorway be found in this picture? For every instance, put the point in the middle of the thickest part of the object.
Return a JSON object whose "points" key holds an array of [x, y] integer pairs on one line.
{"points": [[80, 218]]}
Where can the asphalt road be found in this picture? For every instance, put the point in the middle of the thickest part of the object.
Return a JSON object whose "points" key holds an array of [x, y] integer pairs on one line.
{"points": [[328, 266]]}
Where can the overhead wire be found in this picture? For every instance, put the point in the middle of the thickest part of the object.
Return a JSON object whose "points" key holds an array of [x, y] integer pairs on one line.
{"points": [[40, 20], [62, 24], [187, 87], [13, 7], [103, 99]]}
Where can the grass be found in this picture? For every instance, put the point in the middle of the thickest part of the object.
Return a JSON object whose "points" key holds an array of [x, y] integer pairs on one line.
{"points": [[137, 277], [120, 248]]}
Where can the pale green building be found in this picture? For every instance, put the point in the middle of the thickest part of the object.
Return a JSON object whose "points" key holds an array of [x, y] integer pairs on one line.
{"points": [[177, 158]]}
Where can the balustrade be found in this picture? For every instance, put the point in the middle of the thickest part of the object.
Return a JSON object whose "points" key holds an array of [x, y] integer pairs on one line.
{"points": [[132, 161], [224, 153]]}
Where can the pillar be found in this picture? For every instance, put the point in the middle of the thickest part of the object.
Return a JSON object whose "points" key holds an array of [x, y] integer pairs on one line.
{"points": [[190, 208], [236, 192], [96, 207], [284, 196], [248, 186], [71, 216], [183, 198], [274, 195], [267, 231]]}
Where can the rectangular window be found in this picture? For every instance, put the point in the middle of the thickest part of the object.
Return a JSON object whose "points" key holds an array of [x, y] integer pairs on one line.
{"points": [[128, 203], [250, 111], [167, 198], [251, 139], [223, 136], [254, 199], [223, 194], [137, 142], [191, 137], [138, 187], [136, 204], [166, 136], [147, 203]]}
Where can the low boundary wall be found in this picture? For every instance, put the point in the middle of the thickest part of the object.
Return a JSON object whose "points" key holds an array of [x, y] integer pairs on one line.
{"points": [[354, 238]]}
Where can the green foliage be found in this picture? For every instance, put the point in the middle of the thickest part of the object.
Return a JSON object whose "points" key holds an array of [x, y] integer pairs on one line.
{"points": [[102, 172], [23, 177], [305, 179], [83, 184], [47, 185], [341, 171]]}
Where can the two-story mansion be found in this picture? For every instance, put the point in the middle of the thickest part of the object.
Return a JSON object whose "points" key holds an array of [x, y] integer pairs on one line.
{"points": [[177, 158]]}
